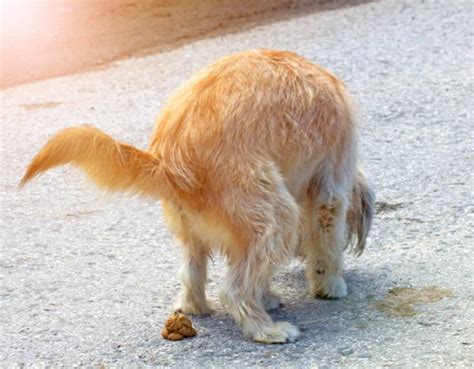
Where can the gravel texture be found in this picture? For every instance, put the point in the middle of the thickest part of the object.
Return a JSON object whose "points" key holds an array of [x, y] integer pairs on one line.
{"points": [[89, 280]]}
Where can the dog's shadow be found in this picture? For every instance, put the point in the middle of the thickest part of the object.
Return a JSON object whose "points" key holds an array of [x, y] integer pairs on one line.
{"points": [[324, 319], [323, 323], [320, 320]]}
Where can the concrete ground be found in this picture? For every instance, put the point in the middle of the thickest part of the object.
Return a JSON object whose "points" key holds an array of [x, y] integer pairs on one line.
{"points": [[88, 280]]}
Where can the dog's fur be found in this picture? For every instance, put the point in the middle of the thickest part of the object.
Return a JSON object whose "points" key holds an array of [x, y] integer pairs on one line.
{"points": [[254, 157]]}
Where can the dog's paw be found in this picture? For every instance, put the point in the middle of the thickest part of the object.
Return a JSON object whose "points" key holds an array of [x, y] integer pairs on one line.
{"points": [[333, 287], [202, 308], [271, 301], [280, 332]]}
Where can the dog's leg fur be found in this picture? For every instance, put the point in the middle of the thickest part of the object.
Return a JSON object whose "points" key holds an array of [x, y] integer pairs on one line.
{"points": [[271, 300], [193, 274], [324, 258], [244, 300], [194, 258], [328, 203], [272, 215], [325, 235]]}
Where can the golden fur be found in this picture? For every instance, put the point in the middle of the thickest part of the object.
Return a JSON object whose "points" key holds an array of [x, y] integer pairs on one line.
{"points": [[254, 157]]}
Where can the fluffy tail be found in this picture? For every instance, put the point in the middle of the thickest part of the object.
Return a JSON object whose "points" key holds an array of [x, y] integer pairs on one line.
{"points": [[360, 213], [112, 165]]}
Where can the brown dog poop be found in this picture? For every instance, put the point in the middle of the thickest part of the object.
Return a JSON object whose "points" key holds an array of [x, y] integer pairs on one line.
{"points": [[177, 327]]}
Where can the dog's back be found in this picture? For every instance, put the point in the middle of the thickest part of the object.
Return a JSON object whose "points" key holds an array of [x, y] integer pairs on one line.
{"points": [[249, 107]]}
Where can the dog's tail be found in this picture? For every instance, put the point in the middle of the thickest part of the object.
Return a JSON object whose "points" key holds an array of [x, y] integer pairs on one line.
{"points": [[112, 165], [360, 213]]}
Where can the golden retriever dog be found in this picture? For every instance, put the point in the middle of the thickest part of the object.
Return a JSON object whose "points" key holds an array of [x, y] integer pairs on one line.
{"points": [[255, 157]]}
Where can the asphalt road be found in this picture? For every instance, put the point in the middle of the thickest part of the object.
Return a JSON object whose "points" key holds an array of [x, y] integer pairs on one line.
{"points": [[88, 280]]}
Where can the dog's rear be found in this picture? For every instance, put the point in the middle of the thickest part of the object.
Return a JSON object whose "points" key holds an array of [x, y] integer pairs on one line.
{"points": [[241, 153]]}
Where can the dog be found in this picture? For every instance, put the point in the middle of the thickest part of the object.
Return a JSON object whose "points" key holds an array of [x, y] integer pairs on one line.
{"points": [[254, 157]]}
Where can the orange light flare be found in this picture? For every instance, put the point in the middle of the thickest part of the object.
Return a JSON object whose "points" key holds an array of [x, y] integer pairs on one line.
{"points": [[29, 19], [17, 18], [32, 24], [39, 37]]}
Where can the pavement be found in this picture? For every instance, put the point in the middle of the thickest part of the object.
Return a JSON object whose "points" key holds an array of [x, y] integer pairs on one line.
{"points": [[88, 280]]}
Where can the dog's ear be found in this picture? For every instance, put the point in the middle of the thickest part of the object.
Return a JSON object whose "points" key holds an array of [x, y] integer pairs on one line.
{"points": [[360, 213]]}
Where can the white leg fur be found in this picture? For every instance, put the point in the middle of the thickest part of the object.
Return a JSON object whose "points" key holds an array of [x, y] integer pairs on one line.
{"points": [[243, 296], [192, 299], [324, 256], [246, 292], [271, 301], [326, 218]]}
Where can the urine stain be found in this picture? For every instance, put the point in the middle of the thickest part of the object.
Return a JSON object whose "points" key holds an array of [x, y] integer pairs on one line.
{"points": [[402, 301], [45, 105]]}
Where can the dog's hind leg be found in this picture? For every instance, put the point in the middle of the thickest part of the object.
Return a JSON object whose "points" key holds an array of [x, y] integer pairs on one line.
{"points": [[271, 300], [267, 215], [194, 259], [243, 297], [192, 299]]}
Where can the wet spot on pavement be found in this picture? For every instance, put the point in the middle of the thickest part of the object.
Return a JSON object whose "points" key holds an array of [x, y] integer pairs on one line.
{"points": [[402, 301]]}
